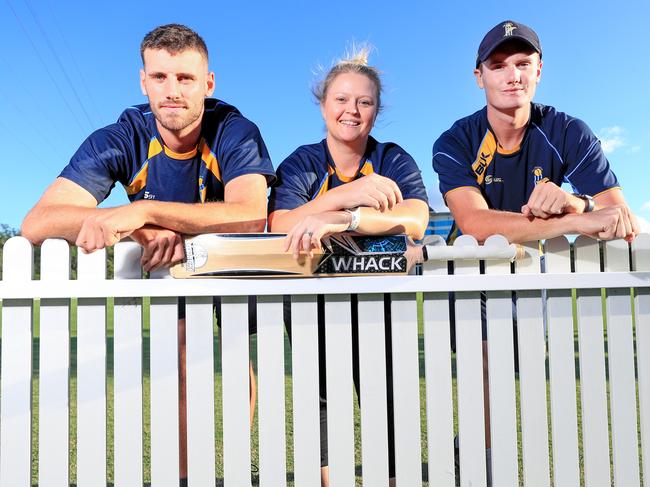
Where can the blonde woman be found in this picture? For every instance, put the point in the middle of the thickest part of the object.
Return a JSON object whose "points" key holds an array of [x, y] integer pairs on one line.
{"points": [[347, 182]]}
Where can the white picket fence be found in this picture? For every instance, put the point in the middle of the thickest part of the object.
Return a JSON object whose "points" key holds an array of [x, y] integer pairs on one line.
{"points": [[607, 444]]}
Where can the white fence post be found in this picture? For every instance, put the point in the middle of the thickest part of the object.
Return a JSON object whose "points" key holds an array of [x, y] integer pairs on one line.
{"points": [[236, 416], [374, 412], [532, 375], [304, 366], [439, 391], [163, 354], [270, 366], [469, 373], [562, 371], [641, 262], [54, 368], [622, 386], [91, 375], [16, 379], [595, 431], [200, 391], [501, 366], [406, 389], [127, 372], [340, 417]]}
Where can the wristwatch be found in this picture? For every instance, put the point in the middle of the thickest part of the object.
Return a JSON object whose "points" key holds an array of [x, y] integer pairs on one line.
{"points": [[590, 204]]}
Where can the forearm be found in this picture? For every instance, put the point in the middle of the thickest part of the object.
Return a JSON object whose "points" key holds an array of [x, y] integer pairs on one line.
{"points": [[516, 227], [55, 221], [195, 218], [409, 217], [283, 220]]}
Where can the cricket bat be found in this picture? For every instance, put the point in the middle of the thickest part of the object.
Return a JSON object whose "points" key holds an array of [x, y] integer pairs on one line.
{"points": [[263, 255]]}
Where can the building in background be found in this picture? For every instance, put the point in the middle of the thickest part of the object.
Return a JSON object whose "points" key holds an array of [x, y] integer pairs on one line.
{"points": [[439, 223]]}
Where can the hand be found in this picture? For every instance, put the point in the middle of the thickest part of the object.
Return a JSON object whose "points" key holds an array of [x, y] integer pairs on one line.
{"points": [[609, 223], [548, 199], [160, 247], [374, 191], [306, 235], [108, 226]]}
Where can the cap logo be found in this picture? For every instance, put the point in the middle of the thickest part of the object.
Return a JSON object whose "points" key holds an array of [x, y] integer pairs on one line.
{"points": [[508, 29]]}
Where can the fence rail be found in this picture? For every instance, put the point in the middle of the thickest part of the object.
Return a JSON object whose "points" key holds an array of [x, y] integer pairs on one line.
{"points": [[577, 408]]}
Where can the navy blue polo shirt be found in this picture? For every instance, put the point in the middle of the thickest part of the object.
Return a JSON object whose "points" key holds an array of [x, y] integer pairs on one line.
{"points": [[555, 146], [132, 152]]}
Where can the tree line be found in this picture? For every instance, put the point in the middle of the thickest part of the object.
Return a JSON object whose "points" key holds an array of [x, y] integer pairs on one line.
{"points": [[6, 232]]}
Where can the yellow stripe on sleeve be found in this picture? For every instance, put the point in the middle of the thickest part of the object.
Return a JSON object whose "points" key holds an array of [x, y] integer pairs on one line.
{"points": [[210, 160], [484, 156]]}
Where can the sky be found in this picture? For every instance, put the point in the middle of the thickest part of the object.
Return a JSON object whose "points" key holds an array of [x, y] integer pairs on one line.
{"points": [[71, 67]]}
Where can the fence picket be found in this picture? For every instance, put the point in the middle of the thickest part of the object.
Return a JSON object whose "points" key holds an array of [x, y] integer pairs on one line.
{"points": [[406, 389], [163, 354], [236, 418], [564, 426], [270, 366], [595, 434], [340, 414], [200, 391], [91, 375], [469, 373], [54, 368], [620, 347], [304, 367], [501, 366], [641, 262], [16, 378], [127, 372], [439, 395], [374, 413], [532, 375]]}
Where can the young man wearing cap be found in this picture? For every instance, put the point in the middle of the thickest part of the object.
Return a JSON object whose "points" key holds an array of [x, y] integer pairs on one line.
{"points": [[502, 167]]}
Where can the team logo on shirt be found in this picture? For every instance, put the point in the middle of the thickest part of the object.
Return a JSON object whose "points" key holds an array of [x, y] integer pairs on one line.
{"points": [[508, 29], [538, 174], [484, 156], [489, 179]]}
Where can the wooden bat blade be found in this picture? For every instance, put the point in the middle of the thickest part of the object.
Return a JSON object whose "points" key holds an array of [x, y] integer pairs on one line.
{"points": [[263, 255]]}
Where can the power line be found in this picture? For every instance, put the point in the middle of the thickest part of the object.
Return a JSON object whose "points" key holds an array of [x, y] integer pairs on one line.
{"points": [[47, 70], [58, 61], [79, 72]]}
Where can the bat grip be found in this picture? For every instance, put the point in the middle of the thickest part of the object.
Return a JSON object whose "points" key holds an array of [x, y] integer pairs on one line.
{"points": [[509, 252]]}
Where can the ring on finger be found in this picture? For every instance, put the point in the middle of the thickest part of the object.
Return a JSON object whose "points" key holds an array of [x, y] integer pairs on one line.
{"points": [[309, 233]]}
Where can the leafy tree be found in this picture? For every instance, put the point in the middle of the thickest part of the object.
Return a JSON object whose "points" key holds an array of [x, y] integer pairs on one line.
{"points": [[6, 232]]}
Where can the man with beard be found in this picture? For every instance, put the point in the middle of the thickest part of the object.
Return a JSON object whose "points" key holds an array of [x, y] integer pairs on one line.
{"points": [[189, 164]]}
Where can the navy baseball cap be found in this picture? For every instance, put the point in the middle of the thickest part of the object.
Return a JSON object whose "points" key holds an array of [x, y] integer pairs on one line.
{"points": [[503, 32]]}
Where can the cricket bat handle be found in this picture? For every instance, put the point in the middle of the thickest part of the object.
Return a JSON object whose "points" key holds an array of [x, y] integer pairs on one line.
{"points": [[434, 252], [434, 248]]}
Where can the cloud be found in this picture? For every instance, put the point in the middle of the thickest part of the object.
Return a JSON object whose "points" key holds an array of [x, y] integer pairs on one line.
{"points": [[646, 206], [611, 138], [634, 149], [644, 225]]}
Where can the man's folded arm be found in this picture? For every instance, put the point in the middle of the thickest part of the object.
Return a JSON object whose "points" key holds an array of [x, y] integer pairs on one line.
{"points": [[612, 219], [59, 213], [66, 210]]}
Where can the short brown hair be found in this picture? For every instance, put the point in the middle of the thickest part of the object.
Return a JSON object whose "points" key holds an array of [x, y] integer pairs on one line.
{"points": [[173, 38]]}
